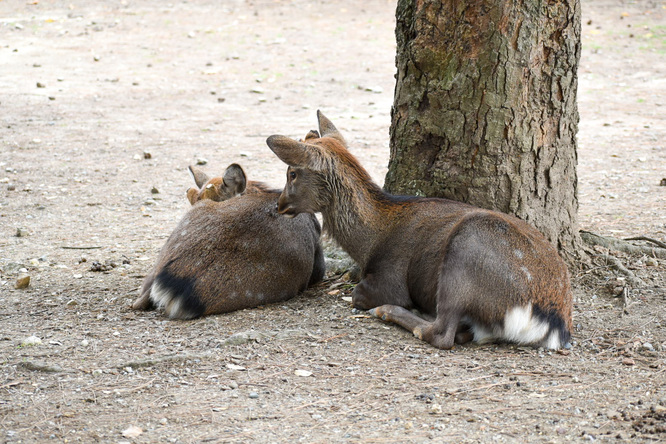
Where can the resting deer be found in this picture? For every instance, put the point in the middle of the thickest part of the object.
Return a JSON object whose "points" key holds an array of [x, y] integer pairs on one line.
{"points": [[482, 274], [224, 187], [234, 253]]}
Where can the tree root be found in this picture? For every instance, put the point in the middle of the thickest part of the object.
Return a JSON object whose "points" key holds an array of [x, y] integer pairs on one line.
{"points": [[43, 367], [648, 239], [160, 360], [624, 246], [617, 265]]}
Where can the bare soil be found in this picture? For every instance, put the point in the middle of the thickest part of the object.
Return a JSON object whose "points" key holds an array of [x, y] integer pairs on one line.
{"points": [[91, 89]]}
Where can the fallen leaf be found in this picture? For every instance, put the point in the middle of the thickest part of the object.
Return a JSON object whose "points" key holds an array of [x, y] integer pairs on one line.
{"points": [[235, 367], [132, 432], [628, 361]]}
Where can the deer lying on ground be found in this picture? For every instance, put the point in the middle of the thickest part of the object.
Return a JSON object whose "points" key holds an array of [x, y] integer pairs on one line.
{"points": [[233, 253], [471, 273]]}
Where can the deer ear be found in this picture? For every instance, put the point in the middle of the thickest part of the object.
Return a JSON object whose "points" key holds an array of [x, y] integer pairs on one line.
{"points": [[296, 154], [327, 129], [312, 134], [234, 178], [193, 195], [200, 178]]}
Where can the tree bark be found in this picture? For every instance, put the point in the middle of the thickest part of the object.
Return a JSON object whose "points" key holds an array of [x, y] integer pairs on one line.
{"points": [[485, 108]]}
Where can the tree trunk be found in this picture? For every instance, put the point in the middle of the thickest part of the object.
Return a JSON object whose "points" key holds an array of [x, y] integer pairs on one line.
{"points": [[485, 108]]}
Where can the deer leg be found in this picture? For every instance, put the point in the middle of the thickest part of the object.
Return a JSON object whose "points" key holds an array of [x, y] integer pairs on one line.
{"points": [[401, 316], [143, 302], [440, 334], [375, 290], [464, 335]]}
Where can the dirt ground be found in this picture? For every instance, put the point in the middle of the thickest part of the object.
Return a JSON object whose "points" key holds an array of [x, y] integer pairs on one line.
{"points": [[90, 87]]}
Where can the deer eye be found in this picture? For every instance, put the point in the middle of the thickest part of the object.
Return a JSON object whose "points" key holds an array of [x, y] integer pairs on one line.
{"points": [[292, 175]]}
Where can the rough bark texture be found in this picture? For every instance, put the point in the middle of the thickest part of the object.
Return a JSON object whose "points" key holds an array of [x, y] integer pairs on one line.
{"points": [[485, 108]]}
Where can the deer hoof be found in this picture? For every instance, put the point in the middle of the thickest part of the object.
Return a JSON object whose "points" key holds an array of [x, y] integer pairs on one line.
{"points": [[378, 313]]}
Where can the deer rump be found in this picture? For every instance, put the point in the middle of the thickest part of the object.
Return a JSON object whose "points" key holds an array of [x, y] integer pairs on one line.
{"points": [[235, 254]]}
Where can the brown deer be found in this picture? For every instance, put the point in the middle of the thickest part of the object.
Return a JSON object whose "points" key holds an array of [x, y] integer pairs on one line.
{"points": [[471, 273], [232, 183], [234, 253]]}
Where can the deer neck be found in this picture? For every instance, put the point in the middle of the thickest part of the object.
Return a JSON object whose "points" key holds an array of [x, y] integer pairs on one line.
{"points": [[357, 220]]}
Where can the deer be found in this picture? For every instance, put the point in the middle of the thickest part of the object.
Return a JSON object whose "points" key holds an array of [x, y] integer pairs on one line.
{"points": [[232, 183], [447, 271], [232, 251]]}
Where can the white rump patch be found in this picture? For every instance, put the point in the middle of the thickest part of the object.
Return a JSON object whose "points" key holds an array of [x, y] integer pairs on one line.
{"points": [[160, 295], [522, 327], [482, 335]]}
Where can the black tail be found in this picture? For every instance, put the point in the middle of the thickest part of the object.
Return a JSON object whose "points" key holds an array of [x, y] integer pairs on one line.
{"points": [[176, 295]]}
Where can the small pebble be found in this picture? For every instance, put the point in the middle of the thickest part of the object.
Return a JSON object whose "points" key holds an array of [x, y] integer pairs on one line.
{"points": [[254, 395], [84, 343], [23, 281], [147, 155], [651, 262], [628, 361], [375, 89], [22, 232], [202, 161], [154, 190], [40, 85], [30, 341]]}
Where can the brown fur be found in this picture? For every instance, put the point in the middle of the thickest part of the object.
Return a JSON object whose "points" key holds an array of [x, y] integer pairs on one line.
{"points": [[221, 188], [463, 266], [232, 254]]}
